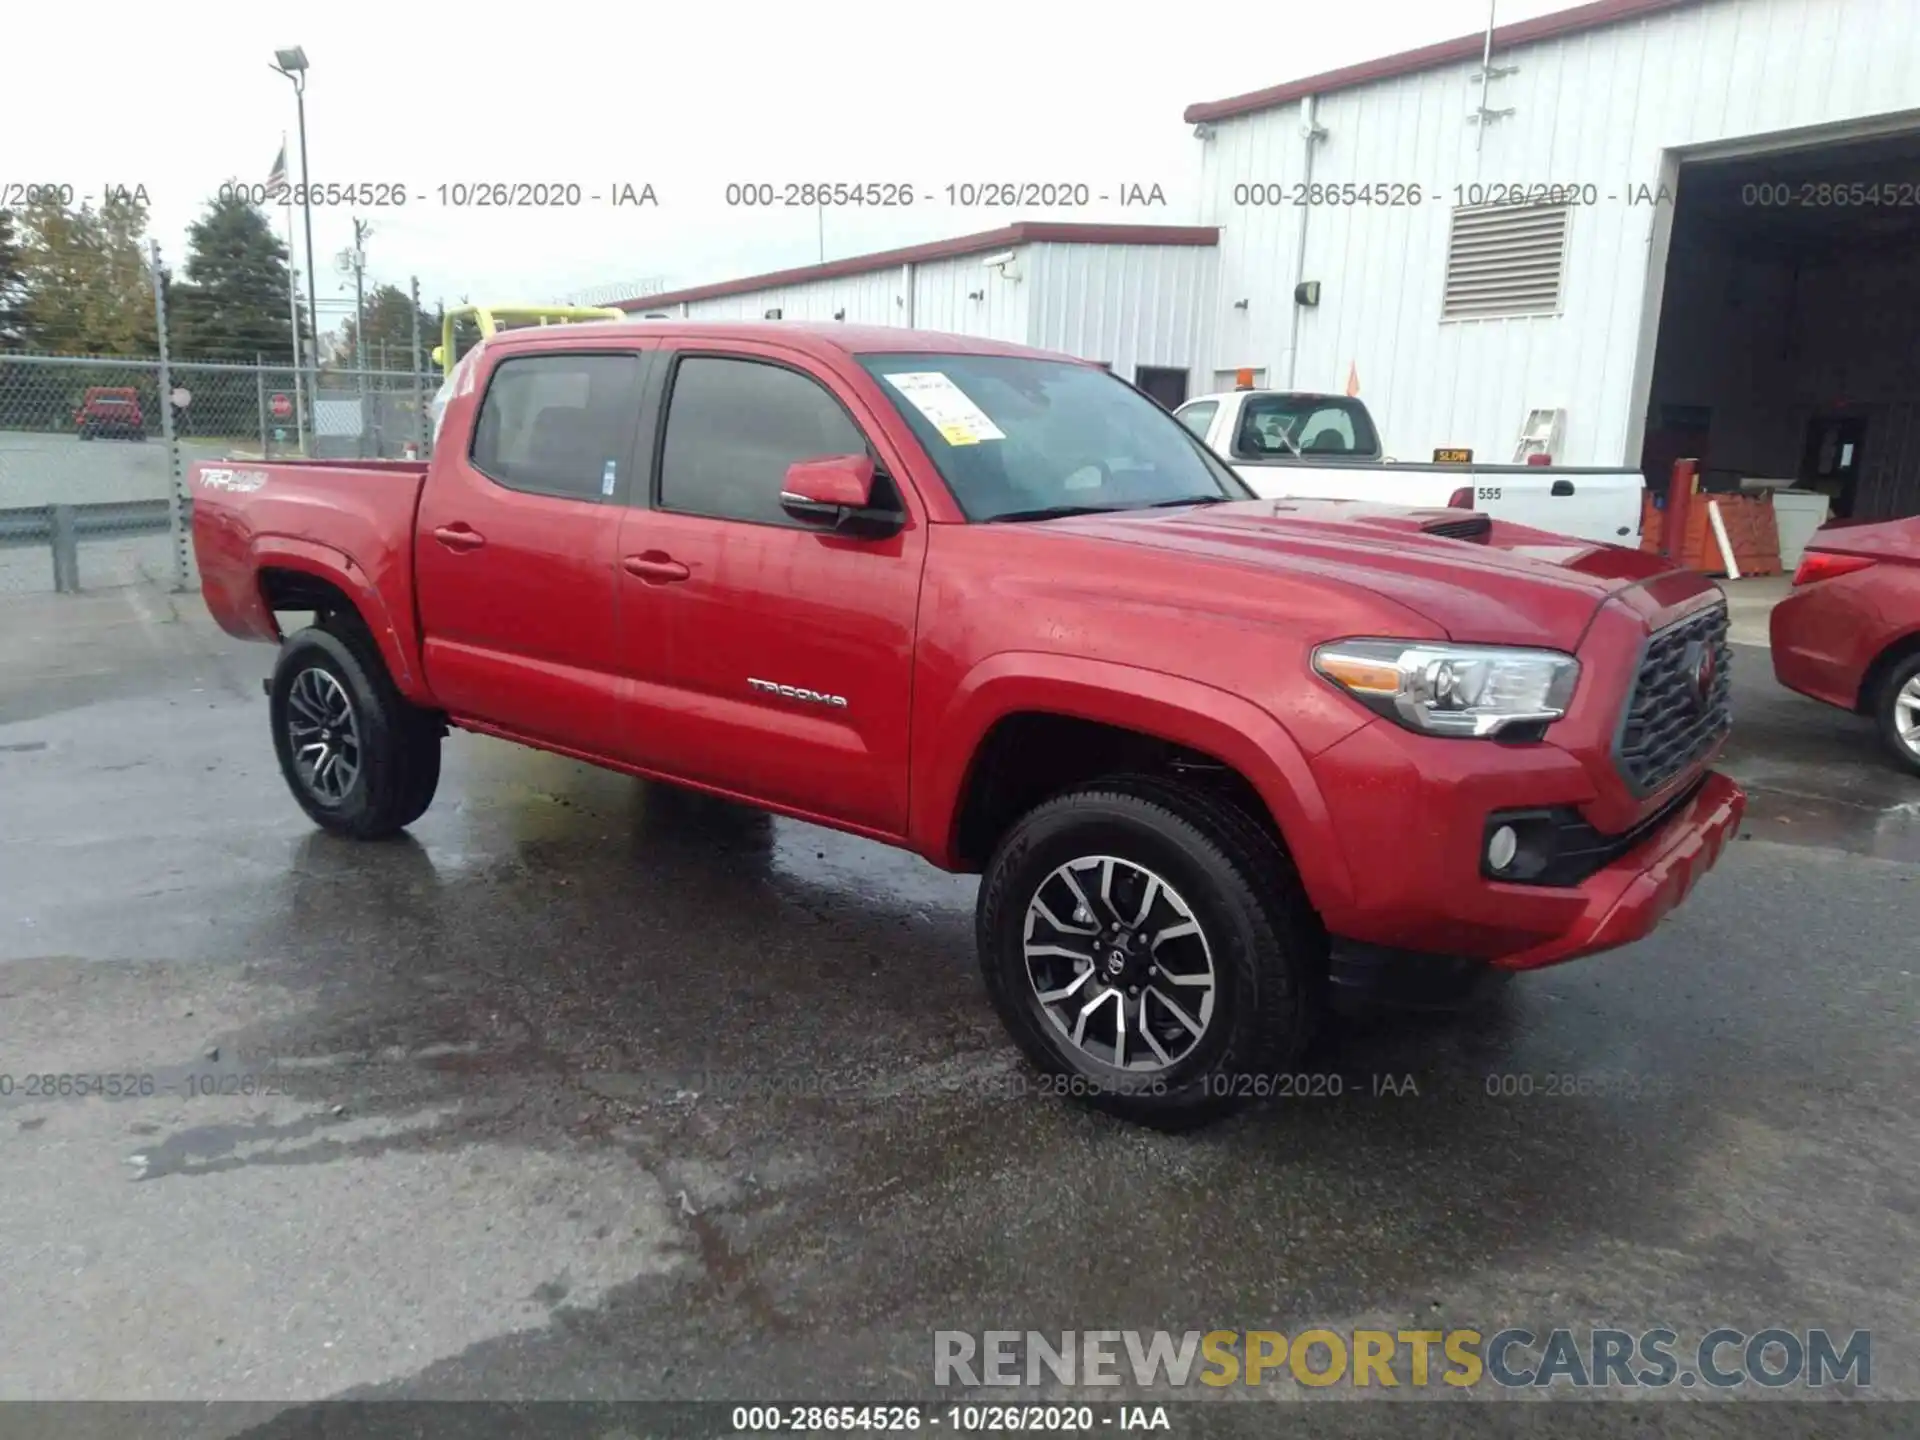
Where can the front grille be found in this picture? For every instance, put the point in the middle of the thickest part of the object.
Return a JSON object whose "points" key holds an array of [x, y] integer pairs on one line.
{"points": [[1669, 723]]}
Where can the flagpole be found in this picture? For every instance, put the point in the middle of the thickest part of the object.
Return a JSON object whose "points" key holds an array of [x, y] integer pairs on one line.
{"points": [[293, 316]]}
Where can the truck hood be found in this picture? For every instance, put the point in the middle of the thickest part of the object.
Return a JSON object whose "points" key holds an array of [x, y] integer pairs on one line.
{"points": [[1478, 580]]}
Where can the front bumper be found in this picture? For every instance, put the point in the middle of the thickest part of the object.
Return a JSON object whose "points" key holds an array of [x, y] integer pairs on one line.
{"points": [[1624, 901], [1409, 814]]}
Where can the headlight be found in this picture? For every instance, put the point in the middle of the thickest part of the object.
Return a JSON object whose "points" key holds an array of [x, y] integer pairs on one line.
{"points": [[1442, 689]]}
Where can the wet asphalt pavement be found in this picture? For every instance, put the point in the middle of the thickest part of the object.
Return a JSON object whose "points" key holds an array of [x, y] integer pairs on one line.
{"points": [[591, 1089]]}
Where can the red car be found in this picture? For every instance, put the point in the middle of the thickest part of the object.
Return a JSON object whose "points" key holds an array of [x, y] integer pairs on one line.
{"points": [[1209, 753], [110, 410], [1849, 634]]}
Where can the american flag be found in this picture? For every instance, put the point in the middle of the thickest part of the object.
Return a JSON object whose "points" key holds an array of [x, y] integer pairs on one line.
{"points": [[277, 177]]}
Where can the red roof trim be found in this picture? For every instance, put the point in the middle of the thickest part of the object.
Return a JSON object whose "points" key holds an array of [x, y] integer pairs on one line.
{"points": [[1427, 57], [1024, 233]]}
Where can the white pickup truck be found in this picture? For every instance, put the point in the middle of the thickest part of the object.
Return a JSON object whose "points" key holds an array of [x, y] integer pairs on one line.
{"points": [[1289, 443]]}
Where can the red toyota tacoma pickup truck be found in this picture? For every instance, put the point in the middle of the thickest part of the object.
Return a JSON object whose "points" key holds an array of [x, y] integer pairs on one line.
{"points": [[1211, 755]]}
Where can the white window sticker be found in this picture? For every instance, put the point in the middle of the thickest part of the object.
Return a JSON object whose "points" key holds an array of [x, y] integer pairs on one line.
{"points": [[947, 408]]}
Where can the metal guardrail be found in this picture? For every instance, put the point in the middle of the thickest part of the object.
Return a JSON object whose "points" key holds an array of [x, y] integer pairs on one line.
{"points": [[38, 524], [63, 527]]}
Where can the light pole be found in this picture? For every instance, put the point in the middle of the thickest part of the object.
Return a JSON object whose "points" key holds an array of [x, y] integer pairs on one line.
{"points": [[293, 64]]}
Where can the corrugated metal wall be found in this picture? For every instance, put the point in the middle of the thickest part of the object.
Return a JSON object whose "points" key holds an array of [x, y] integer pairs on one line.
{"points": [[1600, 108], [1129, 305], [943, 292], [942, 299], [867, 299]]}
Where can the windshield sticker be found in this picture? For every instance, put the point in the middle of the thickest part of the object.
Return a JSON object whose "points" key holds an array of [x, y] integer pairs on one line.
{"points": [[221, 479], [947, 408]]}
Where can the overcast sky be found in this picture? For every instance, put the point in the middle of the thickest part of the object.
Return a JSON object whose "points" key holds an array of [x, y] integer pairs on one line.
{"points": [[686, 97]]}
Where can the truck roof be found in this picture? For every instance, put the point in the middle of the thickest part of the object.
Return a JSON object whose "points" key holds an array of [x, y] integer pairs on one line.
{"points": [[821, 338]]}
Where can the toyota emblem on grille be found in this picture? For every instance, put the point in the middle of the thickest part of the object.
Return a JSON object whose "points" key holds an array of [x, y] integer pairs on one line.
{"points": [[1701, 668]]}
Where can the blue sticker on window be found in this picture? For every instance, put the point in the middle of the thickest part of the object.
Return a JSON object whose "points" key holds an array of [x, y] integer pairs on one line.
{"points": [[606, 477]]}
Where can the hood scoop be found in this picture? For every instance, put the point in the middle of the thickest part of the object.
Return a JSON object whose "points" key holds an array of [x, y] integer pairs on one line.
{"points": [[1468, 527]]}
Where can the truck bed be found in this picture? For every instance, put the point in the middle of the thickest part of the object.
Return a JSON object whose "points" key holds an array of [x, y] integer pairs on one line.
{"points": [[258, 523]]}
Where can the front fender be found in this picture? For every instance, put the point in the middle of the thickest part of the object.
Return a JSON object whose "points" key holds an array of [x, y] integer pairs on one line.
{"points": [[1184, 712]]}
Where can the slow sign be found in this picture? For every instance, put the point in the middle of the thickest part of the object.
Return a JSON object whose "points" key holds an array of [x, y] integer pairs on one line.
{"points": [[1453, 457]]}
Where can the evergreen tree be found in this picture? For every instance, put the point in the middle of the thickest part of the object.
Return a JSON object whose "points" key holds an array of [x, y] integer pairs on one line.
{"points": [[390, 320], [13, 287], [232, 303]]}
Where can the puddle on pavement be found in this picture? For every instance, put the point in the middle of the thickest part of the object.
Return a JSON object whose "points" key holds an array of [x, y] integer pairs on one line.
{"points": [[1882, 832]]}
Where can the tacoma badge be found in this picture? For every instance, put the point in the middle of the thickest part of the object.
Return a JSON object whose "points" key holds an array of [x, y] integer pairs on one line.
{"points": [[796, 692]]}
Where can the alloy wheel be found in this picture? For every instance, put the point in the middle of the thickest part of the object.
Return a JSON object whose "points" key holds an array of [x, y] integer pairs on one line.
{"points": [[1906, 714], [324, 735], [1119, 963]]}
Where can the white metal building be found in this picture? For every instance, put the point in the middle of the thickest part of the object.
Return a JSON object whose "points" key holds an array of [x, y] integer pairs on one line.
{"points": [[1716, 251], [1734, 272], [1133, 296]]}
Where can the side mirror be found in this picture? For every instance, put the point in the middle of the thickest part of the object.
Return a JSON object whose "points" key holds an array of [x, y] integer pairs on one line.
{"points": [[835, 493], [440, 356]]}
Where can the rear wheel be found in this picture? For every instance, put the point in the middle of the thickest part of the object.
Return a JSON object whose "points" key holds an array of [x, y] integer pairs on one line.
{"points": [[1149, 949], [360, 759], [1898, 711]]}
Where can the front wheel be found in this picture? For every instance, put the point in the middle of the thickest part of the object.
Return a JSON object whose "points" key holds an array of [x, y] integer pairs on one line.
{"points": [[359, 758], [1899, 712], [1150, 950]]}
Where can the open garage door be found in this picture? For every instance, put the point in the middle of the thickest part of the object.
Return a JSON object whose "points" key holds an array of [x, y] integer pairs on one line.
{"points": [[1788, 348]]}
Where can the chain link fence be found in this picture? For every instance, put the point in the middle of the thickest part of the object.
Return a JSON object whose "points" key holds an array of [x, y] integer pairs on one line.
{"points": [[94, 453]]}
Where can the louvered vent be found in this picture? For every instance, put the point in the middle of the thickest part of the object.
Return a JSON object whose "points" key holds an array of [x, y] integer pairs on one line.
{"points": [[1505, 260]]}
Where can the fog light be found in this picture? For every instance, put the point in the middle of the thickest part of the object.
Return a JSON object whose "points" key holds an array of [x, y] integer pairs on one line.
{"points": [[1501, 849]]}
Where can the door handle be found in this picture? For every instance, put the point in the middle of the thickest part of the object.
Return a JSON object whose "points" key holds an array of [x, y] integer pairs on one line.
{"points": [[655, 567], [459, 537], [1563, 487]]}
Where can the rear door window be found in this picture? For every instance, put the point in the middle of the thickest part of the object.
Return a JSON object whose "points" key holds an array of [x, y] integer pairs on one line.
{"points": [[559, 424]]}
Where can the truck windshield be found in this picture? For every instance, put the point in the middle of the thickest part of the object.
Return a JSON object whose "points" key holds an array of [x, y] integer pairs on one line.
{"points": [[1018, 438]]}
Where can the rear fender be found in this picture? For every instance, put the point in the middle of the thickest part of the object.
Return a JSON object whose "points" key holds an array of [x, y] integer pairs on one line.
{"points": [[1183, 712], [395, 636]]}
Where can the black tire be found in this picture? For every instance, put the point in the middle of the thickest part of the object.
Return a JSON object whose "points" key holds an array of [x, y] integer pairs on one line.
{"points": [[1886, 711], [85, 433], [1268, 951], [397, 745]]}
